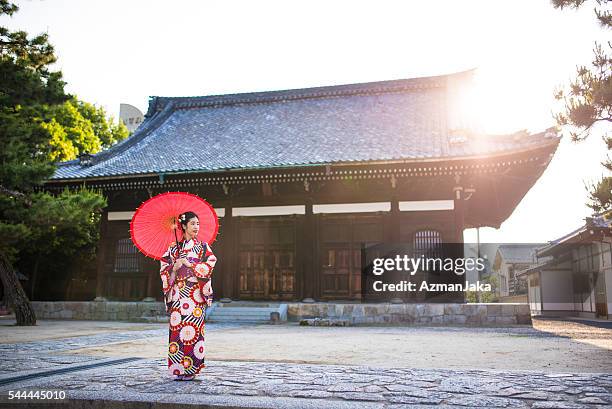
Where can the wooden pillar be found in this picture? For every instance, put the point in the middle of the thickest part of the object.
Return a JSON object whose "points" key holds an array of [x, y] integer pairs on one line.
{"points": [[101, 254], [459, 213], [394, 222], [153, 280], [230, 255], [309, 250]]}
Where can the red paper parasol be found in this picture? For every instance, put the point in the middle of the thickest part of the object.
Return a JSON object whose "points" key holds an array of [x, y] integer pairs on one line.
{"points": [[153, 225]]}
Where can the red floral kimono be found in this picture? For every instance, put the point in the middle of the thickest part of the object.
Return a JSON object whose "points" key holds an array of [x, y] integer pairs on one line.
{"points": [[186, 300]]}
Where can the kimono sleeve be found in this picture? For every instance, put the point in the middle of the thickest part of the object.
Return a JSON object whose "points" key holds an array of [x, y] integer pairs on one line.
{"points": [[204, 268], [165, 270]]}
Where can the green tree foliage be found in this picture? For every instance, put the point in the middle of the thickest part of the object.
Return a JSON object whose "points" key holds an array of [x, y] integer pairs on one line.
{"points": [[59, 228], [588, 101], [40, 123], [77, 127]]}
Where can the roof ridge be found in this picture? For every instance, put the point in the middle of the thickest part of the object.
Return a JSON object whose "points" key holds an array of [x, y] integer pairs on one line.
{"points": [[149, 125], [364, 88]]}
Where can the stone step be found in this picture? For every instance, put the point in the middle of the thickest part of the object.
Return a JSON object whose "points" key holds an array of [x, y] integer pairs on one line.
{"points": [[245, 310], [220, 312]]}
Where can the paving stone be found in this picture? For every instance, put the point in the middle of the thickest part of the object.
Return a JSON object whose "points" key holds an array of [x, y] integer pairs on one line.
{"points": [[538, 395], [558, 405], [311, 393], [510, 392], [484, 401], [359, 396], [346, 387], [593, 400], [407, 390], [248, 392], [415, 400], [374, 389]]}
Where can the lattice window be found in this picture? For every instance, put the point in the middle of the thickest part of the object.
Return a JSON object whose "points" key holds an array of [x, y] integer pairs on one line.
{"points": [[427, 243], [127, 259]]}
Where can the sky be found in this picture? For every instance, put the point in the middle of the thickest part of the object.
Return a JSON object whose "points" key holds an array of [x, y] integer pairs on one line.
{"points": [[113, 52]]}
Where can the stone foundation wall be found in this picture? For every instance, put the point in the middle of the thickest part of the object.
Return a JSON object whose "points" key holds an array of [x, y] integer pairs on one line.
{"points": [[98, 310], [466, 314]]}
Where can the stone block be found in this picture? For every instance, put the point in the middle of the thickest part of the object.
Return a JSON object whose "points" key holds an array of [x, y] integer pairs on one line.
{"points": [[122, 314], [358, 311], [452, 309], [371, 311], [396, 309], [522, 309], [504, 319], [468, 309], [494, 309], [98, 307], [481, 310], [419, 311], [507, 310], [474, 319], [112, 306], [411, 311], [523, 319], [293, 310], [432, 310], [408, 319], [132, 309]]}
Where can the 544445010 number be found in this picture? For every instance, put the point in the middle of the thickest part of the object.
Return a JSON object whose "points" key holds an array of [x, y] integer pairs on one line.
{"points": [[37, 394]]}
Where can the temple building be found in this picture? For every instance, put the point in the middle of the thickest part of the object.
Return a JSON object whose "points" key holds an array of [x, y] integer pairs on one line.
{"points": [[302, 179]]}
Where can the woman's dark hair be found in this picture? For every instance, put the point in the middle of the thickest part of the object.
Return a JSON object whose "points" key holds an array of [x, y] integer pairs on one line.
{"points": [[184, 219]]}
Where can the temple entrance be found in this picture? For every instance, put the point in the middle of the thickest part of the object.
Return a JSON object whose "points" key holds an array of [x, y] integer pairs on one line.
{"points": [[341, 238], [267, 265]]}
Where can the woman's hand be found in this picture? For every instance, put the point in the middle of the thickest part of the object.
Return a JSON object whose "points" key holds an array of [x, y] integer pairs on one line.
{"points": [[177, 264], [181, 262]]}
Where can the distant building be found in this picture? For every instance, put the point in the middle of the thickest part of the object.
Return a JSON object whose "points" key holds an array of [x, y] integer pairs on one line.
{"points": [[510, 259], [131, 116], [574, 273]]}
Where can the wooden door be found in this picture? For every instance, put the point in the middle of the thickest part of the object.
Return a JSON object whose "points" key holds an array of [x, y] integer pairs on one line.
{"points": [[601, 302], [267, 258], [341, 239]]}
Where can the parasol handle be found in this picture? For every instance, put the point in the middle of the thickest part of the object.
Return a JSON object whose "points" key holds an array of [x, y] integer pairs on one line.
{"points": [[176, 237]]}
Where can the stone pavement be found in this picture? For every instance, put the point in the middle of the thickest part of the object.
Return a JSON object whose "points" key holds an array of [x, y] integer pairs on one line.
{"points": [[281, 385], [114, 382]]}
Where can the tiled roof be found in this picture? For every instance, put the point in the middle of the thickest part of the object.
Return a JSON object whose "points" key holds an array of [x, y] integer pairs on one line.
{"points": [[602, 221], [518, 253], [379, 121]]}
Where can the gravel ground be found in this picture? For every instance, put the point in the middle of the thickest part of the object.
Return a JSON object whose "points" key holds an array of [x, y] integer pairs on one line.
{"points": [[550, 345]]}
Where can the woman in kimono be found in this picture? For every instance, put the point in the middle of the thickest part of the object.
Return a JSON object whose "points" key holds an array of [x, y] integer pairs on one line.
{"points": [[186, 270]]}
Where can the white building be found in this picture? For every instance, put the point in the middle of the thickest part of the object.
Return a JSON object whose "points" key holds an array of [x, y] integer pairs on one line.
{"points": [[576, 279], [509, 259], [131, 116]]}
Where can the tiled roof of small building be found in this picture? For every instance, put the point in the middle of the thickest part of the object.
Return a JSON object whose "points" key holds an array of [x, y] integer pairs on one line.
{"points": [[518, 253], [395, 120]]}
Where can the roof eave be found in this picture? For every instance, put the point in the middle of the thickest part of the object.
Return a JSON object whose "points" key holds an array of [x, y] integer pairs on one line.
{"points": [[553, 142]]}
